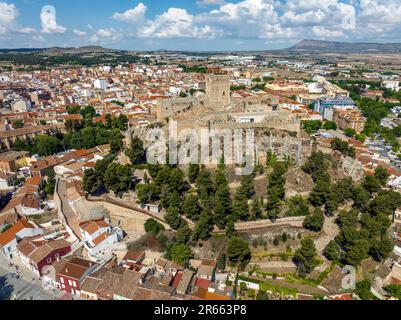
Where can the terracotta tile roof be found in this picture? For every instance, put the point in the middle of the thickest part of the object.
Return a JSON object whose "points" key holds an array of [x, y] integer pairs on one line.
{"points": [[26, 247], [72, 117], [8, 218], [43, 251], [92, 226], [83, 152], [204, 294], [134, 256], [347, 296], [141, 294], [202, 283], [177, 280], [34, 181], [100, 239], [76, 268], [10, 234], [6, 175], [30, 201]]}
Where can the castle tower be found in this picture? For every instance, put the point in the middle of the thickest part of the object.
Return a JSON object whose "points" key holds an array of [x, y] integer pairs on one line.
{"points": [[217, 90]]}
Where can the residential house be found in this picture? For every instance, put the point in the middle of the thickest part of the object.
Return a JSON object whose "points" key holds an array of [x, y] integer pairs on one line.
{"points": [[7, 180], [11, 161], [184, 281], [10, 238], [142, 176], [26, 201], [207, 270], [99, 236], [155, 208], [39, 168], [92, 229], [161, 265], [73, 274], [38, 254], [132, 259], [111, 284]]}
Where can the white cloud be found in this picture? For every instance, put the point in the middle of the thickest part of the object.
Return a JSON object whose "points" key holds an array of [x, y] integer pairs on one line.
{"points": [[264, 19], [94, 39], [383, 12], [26, 30], [204, 3], [176, 23], [8, 14], [8, 20], [38, 38], [79, 33], [135, 16], [104, 34], [246, 19], [49, 21], [324, 33]]}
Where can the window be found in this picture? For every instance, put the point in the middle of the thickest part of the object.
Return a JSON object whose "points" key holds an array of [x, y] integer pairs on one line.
{"points": [[63, 286], [62, 280], [74, 284], [70, 282]]}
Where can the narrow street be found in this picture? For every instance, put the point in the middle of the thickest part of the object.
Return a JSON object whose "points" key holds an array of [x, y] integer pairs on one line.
{"points": [[24, 284]]}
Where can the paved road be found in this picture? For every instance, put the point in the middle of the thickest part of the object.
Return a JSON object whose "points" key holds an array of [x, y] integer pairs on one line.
{"points": [[21, 289], [25, 286]]}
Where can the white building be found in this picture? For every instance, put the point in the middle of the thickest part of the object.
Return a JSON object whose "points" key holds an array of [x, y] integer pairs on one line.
{"points": [[101, 84], [21, 105], [391, 84], [99, 235], [10, 238]]}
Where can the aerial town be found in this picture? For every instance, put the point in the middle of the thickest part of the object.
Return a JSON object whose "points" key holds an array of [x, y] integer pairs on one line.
{"points": [[85, 216]]}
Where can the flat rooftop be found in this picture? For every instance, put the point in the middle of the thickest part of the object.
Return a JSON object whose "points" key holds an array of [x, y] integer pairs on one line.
{"points": [[12, 155]]}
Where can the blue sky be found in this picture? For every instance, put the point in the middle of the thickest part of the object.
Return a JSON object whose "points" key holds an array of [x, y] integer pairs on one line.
{"points": [[195, 24]]}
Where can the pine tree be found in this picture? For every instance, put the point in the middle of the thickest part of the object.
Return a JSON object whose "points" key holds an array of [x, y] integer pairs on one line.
{"points": [[248, 186], [183, 234], [315, 221], [333, 251], [203, 227], [193, 172], [321, 192], [276, 189], [136, 153], [222, 199], [191, 207], [173, 218], [238, 250], [230, 230], [241, 207], [256, 208], [305, 257]]}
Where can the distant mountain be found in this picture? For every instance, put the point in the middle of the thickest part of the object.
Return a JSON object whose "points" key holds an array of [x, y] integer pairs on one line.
{"points": [[344, 47], [60, 50], [79, 50], [21, 50]]}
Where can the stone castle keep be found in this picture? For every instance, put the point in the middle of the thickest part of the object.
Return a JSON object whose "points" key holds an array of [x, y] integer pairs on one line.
{"points": [[217, 90], [218, 110]]}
